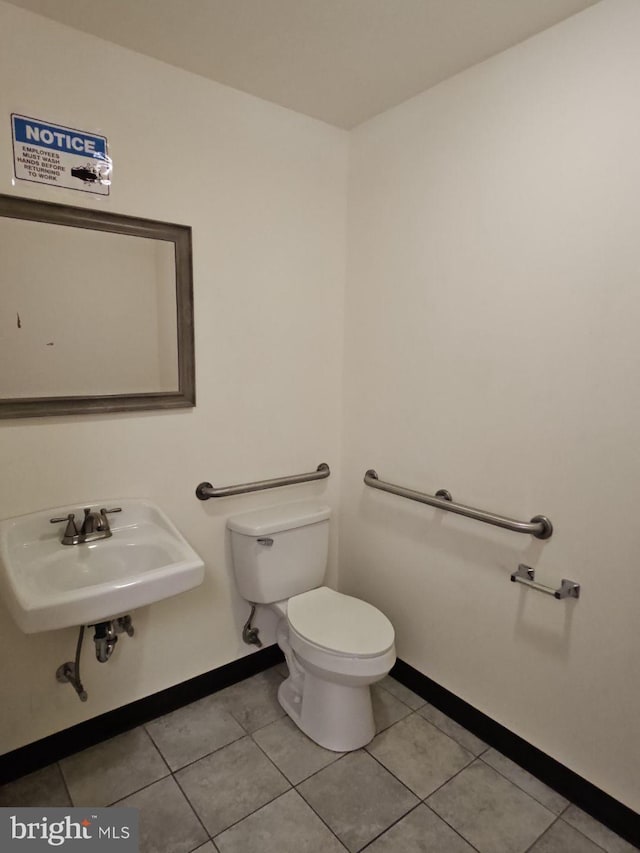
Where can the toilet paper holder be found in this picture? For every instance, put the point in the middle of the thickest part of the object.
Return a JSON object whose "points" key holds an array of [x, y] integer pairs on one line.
{"points": [[526, 575]]}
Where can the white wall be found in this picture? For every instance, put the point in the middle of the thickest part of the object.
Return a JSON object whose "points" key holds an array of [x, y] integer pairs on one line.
{"points": [[265, 192], [493, 349]]}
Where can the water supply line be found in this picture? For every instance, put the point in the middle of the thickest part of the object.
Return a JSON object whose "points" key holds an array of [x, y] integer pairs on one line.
{"points": [[251, 634], [70, 671], [105, 639]]}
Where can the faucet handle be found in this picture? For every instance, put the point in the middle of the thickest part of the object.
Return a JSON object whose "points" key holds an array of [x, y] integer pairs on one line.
{"points": [[69, 517], [71, 530], [105, 521]]}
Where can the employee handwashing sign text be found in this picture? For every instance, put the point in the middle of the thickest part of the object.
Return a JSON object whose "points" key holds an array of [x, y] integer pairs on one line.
{"points": [[60, 156]]}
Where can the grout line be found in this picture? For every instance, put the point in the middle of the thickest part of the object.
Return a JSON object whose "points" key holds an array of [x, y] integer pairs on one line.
{"points": [[137, 791], [391, 693], [262, 805], [271, 761], [192, 807], [252, 812], [449, 735], [395, 822], [200, 757], [422, 799], [476, 759], [64, 782], [131, 793], [552, 824], [200, 846], [339, 757], [450, 779], [239, 722], [524, 790], [390, 772], [263, 726], [579, 831], [318, 815], [153, 743], [446, 822], [535, 841]]}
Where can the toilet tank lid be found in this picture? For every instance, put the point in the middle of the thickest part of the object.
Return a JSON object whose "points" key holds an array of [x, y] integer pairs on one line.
{"points": [[274, 519]]}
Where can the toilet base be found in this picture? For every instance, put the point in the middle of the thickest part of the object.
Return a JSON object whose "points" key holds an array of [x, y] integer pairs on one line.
{"points": [[338, 717]]}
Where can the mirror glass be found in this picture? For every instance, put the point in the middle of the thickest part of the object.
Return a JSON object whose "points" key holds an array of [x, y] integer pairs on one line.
{"points": [[96, 311]]}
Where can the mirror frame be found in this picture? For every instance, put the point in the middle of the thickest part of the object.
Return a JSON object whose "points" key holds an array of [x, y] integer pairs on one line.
{"points": [[15, 207]]}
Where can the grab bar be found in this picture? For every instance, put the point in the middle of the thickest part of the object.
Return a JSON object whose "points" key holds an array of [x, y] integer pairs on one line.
{"points": [[539, 526], [205, 490], [526, 575]]}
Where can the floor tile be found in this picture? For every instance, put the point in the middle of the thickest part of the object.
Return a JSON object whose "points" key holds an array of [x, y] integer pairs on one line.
{"points": [[287, 825], [254, 702], [538, 790], [450, 727], [562, 838], [387, 710], [421, 831], [194, 731], [296, 755], [167, 822], [206, 848], [599, 834], [492, 813], [230, 784], [402, 693], [419, 754], [357, 798], [43, 788], [111, 770]]}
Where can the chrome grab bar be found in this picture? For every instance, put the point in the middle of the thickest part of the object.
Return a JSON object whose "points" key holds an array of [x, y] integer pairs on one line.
{"points": [[205, 490], [539, 526], [526, 575]]}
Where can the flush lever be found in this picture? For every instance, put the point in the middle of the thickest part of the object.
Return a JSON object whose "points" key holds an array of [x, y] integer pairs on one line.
{"points": [[265, 540]]}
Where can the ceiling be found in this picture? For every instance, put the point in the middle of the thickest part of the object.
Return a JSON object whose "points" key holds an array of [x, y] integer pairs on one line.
{"points": [[342, 61]]}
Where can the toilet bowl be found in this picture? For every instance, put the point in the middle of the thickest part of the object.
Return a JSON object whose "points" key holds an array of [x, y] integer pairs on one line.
{"points": [[335, 645]]}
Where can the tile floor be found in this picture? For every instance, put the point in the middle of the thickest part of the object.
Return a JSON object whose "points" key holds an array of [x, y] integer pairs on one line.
{"points": [[231, 773]]}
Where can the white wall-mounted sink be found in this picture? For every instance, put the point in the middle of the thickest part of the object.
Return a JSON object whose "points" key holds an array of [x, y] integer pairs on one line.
{"points": [[47, 585]]}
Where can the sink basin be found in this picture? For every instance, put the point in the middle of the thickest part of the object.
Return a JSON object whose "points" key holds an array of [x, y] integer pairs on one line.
{"points": [[47, 585]]}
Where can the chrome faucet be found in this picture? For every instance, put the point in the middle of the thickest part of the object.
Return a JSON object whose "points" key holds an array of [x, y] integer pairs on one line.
{"points": [[95, 525]]}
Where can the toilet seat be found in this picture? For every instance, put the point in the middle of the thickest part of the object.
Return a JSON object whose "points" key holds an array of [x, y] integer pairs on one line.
{"points": [[339, 624]]}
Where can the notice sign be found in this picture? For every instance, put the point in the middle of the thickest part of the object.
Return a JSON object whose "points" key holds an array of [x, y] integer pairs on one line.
{"points": [[60, 156]]}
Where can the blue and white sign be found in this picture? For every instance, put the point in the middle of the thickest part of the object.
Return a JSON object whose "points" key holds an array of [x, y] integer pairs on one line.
{"points": [[60, 156]]}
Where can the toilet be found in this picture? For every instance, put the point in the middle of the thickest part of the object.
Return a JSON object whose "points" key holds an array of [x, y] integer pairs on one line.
{"points": [[335, 645]]}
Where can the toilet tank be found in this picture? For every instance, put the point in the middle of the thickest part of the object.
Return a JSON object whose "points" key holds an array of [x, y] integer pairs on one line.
{"points": [[279, 551]]}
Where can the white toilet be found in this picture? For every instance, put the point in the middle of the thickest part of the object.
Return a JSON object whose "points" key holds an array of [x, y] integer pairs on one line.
{"points": [[335, 645]]}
